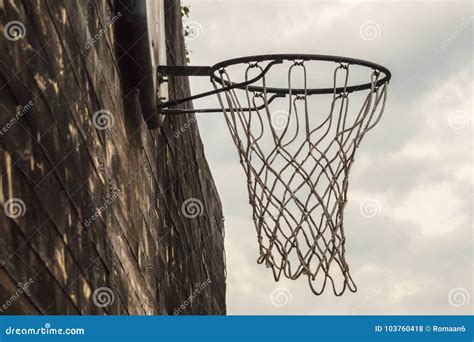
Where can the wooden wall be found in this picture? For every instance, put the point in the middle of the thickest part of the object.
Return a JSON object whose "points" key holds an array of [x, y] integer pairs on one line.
{"points": [[66, 172]]}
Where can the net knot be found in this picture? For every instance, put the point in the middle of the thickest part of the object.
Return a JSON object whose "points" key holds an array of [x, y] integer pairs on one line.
{"points": [[343, 96], [265, 257], [344, 65], [306, 270]]}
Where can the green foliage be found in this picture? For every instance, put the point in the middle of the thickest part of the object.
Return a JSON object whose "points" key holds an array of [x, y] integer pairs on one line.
{"points": [[184, 11], [187, 31], [188, 60]]}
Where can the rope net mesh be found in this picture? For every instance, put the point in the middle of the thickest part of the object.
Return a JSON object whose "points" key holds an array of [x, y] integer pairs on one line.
{"points": [[297, 151]]}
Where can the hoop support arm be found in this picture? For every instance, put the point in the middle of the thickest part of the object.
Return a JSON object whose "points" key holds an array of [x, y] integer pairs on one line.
{"points": [[165, 70], [216, 110], [183, 70]]}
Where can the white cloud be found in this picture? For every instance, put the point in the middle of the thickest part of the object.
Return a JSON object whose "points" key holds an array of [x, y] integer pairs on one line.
{"points": [[435, 208]]}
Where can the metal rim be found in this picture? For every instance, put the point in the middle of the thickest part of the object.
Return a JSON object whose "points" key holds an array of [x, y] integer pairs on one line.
{"points": [[215, 70]]}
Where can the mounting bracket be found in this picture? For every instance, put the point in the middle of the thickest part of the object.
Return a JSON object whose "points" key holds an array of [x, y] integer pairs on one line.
{"points": [[184, 70]]}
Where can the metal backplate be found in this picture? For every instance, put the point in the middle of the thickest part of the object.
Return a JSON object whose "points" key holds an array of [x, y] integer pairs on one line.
{"points": [[143, 48], [157, 39]]}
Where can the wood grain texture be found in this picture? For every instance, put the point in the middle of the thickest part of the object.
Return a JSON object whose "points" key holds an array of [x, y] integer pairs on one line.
{"points": [[102, 207]]}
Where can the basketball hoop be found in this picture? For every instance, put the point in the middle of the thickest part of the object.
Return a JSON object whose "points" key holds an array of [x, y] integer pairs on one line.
{"points": [[296, 145]]}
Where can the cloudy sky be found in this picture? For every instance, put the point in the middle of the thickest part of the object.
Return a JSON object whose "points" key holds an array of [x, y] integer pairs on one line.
{"points": [[415, 255]]}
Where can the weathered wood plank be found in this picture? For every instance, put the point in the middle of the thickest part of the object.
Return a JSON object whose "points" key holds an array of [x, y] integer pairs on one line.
{"points": [[68, 173]]}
